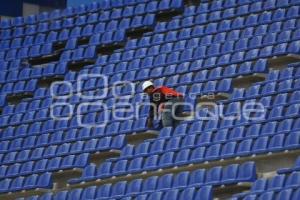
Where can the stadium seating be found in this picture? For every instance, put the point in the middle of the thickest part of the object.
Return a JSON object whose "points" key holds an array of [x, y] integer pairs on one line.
{"points": [[69, 78]]}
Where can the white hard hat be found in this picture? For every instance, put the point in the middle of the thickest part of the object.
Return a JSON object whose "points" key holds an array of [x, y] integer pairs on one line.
{"points": [[146, 84]]}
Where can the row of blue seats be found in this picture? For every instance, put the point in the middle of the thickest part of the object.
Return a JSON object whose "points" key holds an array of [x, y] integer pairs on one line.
{"points": [[230, 24], [273, 184], [139, 22], [77, 31], [56, 26], [89, 96], [47, 49], [12, 64], [81, 21], [93, 192], [272, 112], [93, 113], [225, 21], [175, 141], [182, 51], [140, 9], [204, 7], [16, 150], [231, 174], [26, 106], [194, 33], [217, 84], [72, 145], [117, 56], [229, 9], [26, 183], [292, 194], [229, 130], [29, 53], [261, 89], [228, 46], [277, 112], [38, 110], [19, 87], [171, 69], [55, 37], [261, 145], [270, 89], [49, 70], [44, 165], [199, 58], [279, 99], [68, 12], [279, 77], [51, 126], [253, 6], [173, 75], [235, 41], [111, 89], [258, 66], [244, 118], [177, 57], [27, 117], [208, 7], [181, 34], [296, 167], [37, 141], [257, 90], [195, 89], [237, 26]]}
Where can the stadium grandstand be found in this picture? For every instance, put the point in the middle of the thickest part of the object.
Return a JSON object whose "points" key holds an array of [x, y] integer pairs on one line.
{"points": [[74, 118]]}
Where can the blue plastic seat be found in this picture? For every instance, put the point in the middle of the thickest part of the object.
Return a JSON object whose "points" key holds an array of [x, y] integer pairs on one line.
{"points": [[13, 170], [135, 165], [247, 172], [120, 167], [244, 147], [197, 154], [61, 195], [181, 180], [292, 179], [151, 162], [119, 189], [134, 187], [171, 194], [213, 176], [292, 140], [276, 143], [89, 172], [5, 185], [167, 159], [150, 184], [17, 184], [104, 191], [260, 145], [155, 195], [104, 170], [229, 149], [30, 182], [276, 182], [165, 182]]}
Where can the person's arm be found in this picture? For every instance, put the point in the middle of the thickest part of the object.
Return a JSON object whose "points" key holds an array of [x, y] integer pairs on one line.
{"points": [[150, 117]]}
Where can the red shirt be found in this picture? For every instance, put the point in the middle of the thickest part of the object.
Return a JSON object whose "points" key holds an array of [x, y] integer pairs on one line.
{"points": [[160, 95]]}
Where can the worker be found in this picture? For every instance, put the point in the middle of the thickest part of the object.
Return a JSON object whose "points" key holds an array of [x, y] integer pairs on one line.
{"points": [[165, 101]]}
